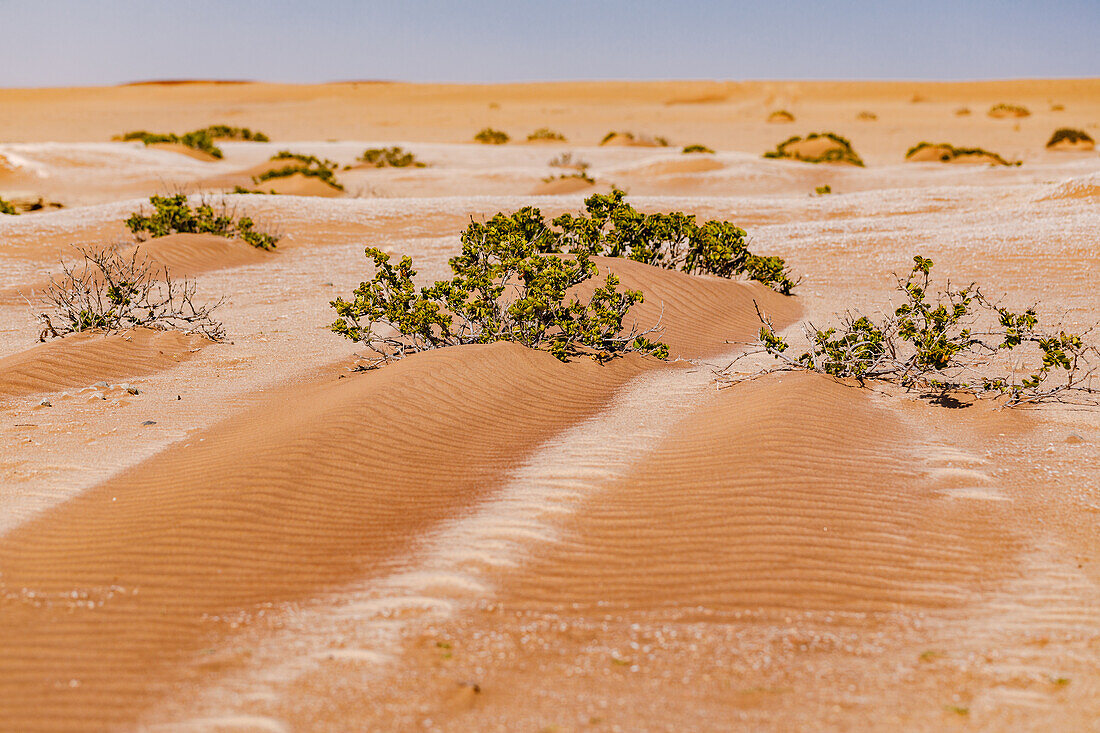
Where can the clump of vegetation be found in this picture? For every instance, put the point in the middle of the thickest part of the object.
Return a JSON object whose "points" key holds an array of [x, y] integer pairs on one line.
{"points": [[962, 111], [7, 208], [839, 152], [502, 289], [201, 140], [394, 157], [1057, 108], [306, 165], [242, 189], [489, 136], [111, 292], [1008, 110], [1069, 135], [822, 190], [780, 115], [173, 215], [946, 152], [696, 149], [867, 116], [630, 137], [610, 227], [545, 133], [581, 175], [566, 160], [951, 341]]}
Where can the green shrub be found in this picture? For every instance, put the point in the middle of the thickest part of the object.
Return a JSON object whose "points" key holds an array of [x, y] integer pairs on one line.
{"points": [[307, 165], [201, 140], [489, 136], [697, 149], [7, 208], [172, 215], [613, 228], [580, 175], [780, 115], [109, 292], [395, 157], [1069, 134], [950, 152], [545, 133], [1008, 110], [502, 289], [822, 190], [950, 341], [842, 153], [565, 160], [641, 140], [242, 189]]}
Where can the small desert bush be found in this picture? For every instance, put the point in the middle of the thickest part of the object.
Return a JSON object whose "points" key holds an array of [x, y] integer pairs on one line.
{"points": [[581, 175], [780, 115], [201, 140], [962, 111], [1070, 135], [306, 165], [611, 227], [867, 116], [566, 160], [950, 152], [696, 149], [489, 136], [394, 157], [946, 342], [110, 292], [173, 215], [7, 208], [823, 190], [545, 133], [657, 140], [243, 190], [843, 151], [501, 289], [1008, 110]]}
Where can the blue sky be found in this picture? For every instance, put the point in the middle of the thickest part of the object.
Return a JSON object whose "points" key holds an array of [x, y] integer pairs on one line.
{"points": [[83, 42]]}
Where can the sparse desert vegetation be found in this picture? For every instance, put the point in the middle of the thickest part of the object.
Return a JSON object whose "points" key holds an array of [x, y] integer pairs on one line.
{"points": [[866, 116], [696, 149], [817, 147], [489, 136], [1071, 139], [948, 153], [949, 342], [392, 157], [7, 208], [309, 166], [111, 292], [545, 134], [823, 190], [780, 116], [201, 140], [174, 215], [627, 138], [1002, 110]]}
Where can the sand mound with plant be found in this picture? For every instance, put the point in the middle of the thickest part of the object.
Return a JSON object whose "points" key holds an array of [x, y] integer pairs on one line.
{"points": [[780, 116], [678, 166], [182, 149], [1070, 139], [947, 153]]}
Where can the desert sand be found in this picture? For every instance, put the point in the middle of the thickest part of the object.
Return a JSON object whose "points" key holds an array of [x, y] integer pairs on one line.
{"points": [[254, 536]]}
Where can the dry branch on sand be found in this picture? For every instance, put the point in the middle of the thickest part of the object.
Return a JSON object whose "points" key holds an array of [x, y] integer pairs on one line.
{"points": [[107, 291], [954, 341]]}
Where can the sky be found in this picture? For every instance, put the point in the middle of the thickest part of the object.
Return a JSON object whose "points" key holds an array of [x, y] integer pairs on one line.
{"points": [[95, 42]]}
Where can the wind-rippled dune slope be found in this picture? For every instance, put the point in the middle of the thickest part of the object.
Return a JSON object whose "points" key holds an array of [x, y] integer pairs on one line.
{"points": [[250, 536]]}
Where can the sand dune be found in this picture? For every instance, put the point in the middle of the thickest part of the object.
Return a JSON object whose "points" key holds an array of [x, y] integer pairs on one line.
{"points": [[182, 149], [80, 360]]}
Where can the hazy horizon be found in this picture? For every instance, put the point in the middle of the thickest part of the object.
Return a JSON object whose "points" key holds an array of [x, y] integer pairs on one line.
{"points": [[70, 43]]}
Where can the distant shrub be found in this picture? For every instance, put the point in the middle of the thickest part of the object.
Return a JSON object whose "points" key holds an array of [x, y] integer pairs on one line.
{"points": [[1057, 108], [201, 140], [566, 160], [110, 292], [954, 340], [489, 136], [545, 133], [172, 215], [307, 165], [501, 289], [823, 190], [696, 149], [609, 136], [1008, 110], [654, 140], [962, 111], [613, 228], [948, 152], [780, 115], [242, 189], [7, 208], [1070, 135], [581, 175], [394, 157], [867, 116], [842, 152]]}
